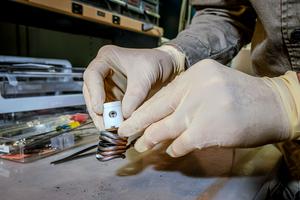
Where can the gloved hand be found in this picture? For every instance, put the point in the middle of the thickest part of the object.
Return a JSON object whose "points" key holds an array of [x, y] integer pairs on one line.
{"points": [[213, 105], [106, 76]]}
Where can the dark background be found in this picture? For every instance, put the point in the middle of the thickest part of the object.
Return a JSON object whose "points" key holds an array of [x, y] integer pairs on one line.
{"points": [[27, 31]]}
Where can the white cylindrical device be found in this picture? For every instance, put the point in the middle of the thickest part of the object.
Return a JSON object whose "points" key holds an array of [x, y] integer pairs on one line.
{"points": [[112, 115]]}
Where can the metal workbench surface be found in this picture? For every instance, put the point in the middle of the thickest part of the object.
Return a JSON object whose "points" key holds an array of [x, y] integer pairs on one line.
{"points": [[210, 174]]}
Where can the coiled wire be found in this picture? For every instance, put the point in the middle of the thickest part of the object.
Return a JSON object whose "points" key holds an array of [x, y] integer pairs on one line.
{"points": [[111, 146]]}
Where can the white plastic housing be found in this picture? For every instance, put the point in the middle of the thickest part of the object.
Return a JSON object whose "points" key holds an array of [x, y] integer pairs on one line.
{"points": [[112, 115]]}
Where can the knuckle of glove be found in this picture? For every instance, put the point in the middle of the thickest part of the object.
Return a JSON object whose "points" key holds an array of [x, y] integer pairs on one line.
{"points": [[209, 68], [149, 140], [86, 74], [208, 61], [135, 122], [130, 126], [106, 50], [170, 125]]}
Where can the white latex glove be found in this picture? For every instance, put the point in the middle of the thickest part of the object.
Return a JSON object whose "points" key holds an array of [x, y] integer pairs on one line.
{"points": [[213, 105], [117, 69]]}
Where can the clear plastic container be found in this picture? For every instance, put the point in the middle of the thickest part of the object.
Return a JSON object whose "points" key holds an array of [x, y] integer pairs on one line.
{"points": [[45, 136]]}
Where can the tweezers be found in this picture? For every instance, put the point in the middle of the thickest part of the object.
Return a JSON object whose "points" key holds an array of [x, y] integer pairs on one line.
{"points": [[77, 155]]}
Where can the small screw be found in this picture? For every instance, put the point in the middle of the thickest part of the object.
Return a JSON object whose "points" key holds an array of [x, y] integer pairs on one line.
{"points": [[112, 114]]}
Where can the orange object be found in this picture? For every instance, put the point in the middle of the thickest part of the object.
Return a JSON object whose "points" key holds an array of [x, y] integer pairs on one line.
{"points": [[15, 156], [80, 117]]}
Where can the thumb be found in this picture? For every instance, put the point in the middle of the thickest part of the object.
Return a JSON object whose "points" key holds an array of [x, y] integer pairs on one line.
{"points": [[135, 94]]}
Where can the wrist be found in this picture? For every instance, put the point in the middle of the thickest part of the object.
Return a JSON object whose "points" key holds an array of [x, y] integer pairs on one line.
{"points": [[288, 88], [178, 58]]}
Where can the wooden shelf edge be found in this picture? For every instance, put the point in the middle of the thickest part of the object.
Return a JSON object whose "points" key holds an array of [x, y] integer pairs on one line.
{"points": [[93, 14]]}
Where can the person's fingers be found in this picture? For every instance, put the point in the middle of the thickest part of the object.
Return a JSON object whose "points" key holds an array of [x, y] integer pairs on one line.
{"points": [[136, 92], [97, 119], [112, 91], [165, 129], [159, 106], [120, 80], [94, 80], [182, 145]]}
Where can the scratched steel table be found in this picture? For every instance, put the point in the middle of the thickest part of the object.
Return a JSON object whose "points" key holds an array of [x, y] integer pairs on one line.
{"points": [[210, 174]]}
